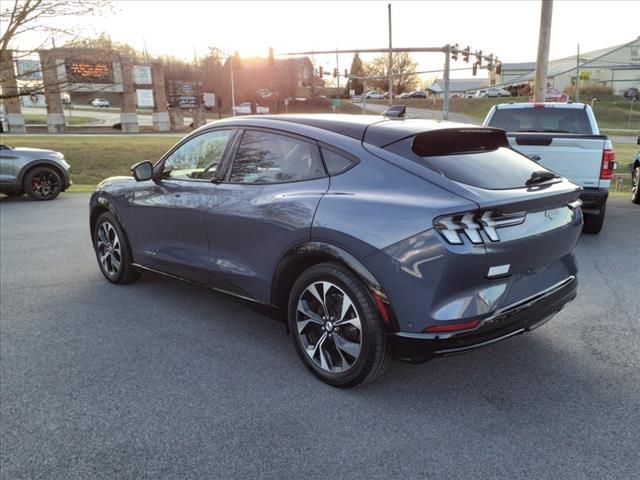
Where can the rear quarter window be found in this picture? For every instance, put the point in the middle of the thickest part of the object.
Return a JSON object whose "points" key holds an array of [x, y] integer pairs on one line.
{"points": [[549, 120]]}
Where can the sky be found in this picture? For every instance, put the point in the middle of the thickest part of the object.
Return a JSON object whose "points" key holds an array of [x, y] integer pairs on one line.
{"points": [[508, 29]]}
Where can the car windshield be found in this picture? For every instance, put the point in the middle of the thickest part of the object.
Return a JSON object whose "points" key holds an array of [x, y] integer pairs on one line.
{"points": [[546, 120]]}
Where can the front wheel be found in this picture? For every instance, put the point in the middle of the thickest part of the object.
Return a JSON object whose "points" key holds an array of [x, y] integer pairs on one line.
{"points": [[336, 328], [635, 185], [42, 183], [112, 250]]}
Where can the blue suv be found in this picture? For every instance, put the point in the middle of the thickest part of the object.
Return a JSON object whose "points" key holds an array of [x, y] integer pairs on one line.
{"points": [[372, 237]]}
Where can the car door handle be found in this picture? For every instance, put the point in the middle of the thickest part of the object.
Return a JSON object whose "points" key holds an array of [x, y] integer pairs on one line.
{"points": [[177, 195]]}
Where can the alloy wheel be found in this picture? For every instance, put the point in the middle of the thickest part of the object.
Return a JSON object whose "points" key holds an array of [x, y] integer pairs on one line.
{"points": [[635, 180], [329, 327], [45, 184], [109, 248]]}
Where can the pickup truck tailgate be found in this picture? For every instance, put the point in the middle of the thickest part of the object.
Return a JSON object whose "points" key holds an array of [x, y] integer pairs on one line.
{"points": [[576, 157]]}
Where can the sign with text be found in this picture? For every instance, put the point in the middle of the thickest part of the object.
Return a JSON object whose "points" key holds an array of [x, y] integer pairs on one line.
{"points": [[142, 75], [90, 72], [144, 97]]}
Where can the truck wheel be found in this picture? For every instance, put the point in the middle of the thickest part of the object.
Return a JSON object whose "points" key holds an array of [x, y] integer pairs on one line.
{"points": [[635, 185], [593, 222]]}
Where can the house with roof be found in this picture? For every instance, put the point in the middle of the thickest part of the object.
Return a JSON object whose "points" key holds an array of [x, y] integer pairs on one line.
{"points": [[617, 66]]}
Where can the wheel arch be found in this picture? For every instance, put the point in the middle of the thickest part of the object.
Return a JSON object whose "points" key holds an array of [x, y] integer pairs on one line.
{"points": [[303, 256], [36, 164]]}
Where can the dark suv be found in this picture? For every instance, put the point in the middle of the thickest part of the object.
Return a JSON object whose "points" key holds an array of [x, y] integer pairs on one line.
{"points": [[373, 237]]}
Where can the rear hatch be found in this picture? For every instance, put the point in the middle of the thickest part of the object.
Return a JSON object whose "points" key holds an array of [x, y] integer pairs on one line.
{"points": [[527, 218], [558, 138]]}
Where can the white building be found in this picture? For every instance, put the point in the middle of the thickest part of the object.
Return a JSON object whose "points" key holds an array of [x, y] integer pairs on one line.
{"points": [[617, 66]]}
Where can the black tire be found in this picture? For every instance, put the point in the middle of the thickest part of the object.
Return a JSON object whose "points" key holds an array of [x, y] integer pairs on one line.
{"points": [[341, 368], [635, 185], [112, 250], [593, 222], [42, 183]]}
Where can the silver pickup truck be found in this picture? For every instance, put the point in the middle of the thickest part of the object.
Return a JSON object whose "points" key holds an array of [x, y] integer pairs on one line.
{"points": [[563, 137]]}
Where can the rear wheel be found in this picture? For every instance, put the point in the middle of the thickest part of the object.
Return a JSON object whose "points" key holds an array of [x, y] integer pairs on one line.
{"points": [[112, 250], [635, 185], [336, 328], [593, 222], [42, 183]]}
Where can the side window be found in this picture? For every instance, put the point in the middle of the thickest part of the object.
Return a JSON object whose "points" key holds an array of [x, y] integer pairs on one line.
{"points": [[335, 162], [264, 157], [198, 158]]}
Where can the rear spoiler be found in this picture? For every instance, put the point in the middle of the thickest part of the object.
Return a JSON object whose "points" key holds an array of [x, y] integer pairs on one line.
{"points": [[453, 141]]}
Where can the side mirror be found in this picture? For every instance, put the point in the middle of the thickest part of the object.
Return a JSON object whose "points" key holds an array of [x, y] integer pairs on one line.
{"points": [[142, 171]]}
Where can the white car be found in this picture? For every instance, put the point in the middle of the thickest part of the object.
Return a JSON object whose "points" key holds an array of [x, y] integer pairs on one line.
{"points": [[492, 92], [100, 102], [245, 109], [373, 95]]}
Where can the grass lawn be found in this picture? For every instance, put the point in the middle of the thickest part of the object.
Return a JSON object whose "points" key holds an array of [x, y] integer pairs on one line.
{"points": [[41, 119], [94, 158]]}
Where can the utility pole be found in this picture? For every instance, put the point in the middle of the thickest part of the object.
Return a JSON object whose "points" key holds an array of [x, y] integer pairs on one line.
{"points": [[233, 92], [578, 75], [338, 69], [390, 60], [542, 62], [445, 100]]}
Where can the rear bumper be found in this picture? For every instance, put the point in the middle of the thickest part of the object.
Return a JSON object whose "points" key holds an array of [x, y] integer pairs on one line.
{"points": [[507, 322], [593, 199]]}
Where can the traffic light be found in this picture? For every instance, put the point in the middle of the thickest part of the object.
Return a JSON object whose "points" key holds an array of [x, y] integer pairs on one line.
{"points": [[475, 69], [454, 53], [335, 73], [271, 61], [499, 68], [320, 72], [479, 57], [465, 54]]}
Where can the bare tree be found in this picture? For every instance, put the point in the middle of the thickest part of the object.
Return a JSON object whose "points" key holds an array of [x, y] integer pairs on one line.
{"points": [[403, 66], [39, 19]]}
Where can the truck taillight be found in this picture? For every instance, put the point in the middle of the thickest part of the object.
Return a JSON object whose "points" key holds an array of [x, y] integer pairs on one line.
{"points": [[608, 164]]}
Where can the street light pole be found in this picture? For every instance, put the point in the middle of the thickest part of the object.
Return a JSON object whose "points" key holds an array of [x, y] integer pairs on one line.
{"points": [[445, 100], [542, 62], [233, 92], [390, 60]]}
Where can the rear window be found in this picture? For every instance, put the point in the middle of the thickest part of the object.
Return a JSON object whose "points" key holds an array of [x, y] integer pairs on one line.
{"points": [[550, 120], [497, 169]]}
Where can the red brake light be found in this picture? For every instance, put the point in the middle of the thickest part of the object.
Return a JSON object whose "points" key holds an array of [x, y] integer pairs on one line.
{"points": [[608, 164], [452, 327], [538, 105]]}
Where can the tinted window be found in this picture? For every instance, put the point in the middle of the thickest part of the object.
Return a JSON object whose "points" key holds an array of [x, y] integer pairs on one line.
{"points": [[270, 158], [335, 162], [497, 169], [199, 157], [558, 120]]}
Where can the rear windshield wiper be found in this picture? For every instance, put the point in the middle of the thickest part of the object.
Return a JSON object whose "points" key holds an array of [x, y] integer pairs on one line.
{"points": [[540, 176]]}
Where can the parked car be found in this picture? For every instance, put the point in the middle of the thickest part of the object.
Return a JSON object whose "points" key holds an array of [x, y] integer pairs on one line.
{"points": [[417, 94], [553, 95], [632, 93], [404, 95], [492, 92], [635, 178], [373, 95], [565, 138], [372, 237], [247, 109], [41, 174], [100, 102]]}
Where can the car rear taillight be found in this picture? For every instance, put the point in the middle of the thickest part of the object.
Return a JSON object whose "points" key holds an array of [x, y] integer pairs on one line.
{"points": [[472, 224], [453, 327], [608, 162]]}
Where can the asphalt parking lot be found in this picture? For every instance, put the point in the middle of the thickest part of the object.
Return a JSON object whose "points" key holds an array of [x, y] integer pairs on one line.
{"points": [[162, 380]]}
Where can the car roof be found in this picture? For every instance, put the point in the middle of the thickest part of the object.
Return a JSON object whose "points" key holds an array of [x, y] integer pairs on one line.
{"points": [[502, 106], [373, 129]]}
